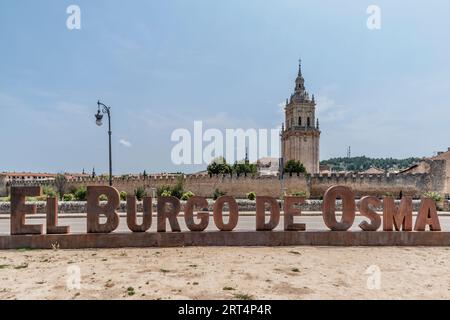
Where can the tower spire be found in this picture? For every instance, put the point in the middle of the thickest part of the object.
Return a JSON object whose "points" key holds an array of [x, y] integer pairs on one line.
{"points": [[300, 67]]}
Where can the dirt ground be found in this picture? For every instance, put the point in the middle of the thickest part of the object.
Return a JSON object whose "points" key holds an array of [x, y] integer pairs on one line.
{"points": [[227, 273]]}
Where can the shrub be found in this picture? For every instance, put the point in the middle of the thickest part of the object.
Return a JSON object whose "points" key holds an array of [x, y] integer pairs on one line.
{"points": [[80, 194], [161, 190], [140, 193], [103, 198], [166, 193], [177, 190], [217, 194], [49, 191], [434, 195], [68, 197], [187, 195], [123, 196], [303, 194], [251, 196]]}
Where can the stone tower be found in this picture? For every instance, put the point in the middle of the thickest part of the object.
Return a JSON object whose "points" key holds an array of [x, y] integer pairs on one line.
{"points": [[300, 137]]}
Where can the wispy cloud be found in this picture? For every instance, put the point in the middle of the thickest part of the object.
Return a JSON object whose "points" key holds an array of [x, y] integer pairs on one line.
{"points": [[125, 143], [328, 110]]}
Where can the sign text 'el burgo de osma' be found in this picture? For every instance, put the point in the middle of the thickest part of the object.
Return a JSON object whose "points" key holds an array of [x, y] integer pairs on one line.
{"points": [[395, 218]]}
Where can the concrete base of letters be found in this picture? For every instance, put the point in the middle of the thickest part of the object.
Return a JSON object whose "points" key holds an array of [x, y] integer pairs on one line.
{"points": [[238, 238]]}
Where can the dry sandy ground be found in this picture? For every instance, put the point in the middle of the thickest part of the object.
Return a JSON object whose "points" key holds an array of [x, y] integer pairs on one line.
{"points": [[227, 273]]}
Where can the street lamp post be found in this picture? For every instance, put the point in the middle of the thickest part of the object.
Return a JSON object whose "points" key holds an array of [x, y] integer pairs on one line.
{"points": [[103, 109]]}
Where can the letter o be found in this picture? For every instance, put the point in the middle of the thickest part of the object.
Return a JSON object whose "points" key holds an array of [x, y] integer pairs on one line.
{"points": [[348, 208], [218, 214]]}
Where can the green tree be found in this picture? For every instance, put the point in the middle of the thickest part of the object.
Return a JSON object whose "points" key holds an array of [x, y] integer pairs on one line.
{"points": [[81, 194], [61, 185], [219, 166], [364, 163], [293, 166], [244, 168]]}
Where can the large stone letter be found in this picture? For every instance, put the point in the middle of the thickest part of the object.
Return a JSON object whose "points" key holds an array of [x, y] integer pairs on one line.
{"points": [[401, 217], [94, 209], [261, 224], [218, 214], [132, 212], [375, 220], [52, 218], [329, 208], [427, 216], [290, 212], [168, 212], [203, 214], [19, 209]]}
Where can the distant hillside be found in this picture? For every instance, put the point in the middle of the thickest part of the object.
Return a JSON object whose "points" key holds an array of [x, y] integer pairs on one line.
{"points": [[364, 163]]}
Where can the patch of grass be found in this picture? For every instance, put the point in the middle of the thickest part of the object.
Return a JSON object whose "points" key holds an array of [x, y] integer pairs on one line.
{"points": [[295, 270], [228, 289], [3, 266], [22, 266], [242, 296], [130, 291], [164, 270], [104, 259], [295, 252]]}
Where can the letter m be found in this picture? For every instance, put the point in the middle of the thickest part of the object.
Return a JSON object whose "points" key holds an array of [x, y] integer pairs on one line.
{"points": [[400, 218]]}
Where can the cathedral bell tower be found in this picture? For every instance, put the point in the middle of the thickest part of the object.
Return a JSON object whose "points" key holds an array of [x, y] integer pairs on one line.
{"points": [[301, 135]]}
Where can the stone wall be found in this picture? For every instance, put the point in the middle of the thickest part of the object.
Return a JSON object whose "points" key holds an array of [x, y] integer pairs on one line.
{"points": [[408, 184], [377, 185], [204, 185]]}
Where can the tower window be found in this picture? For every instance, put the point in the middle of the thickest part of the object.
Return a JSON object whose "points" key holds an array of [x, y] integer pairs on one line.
{"points": [[309, 122], [300, 121]]}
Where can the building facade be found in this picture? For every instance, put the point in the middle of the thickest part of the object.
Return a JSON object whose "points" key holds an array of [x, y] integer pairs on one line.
{"points": [[300, 137]]}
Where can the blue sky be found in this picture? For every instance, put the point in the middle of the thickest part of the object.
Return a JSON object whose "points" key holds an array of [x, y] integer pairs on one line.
{"points": [[161, 65]]}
